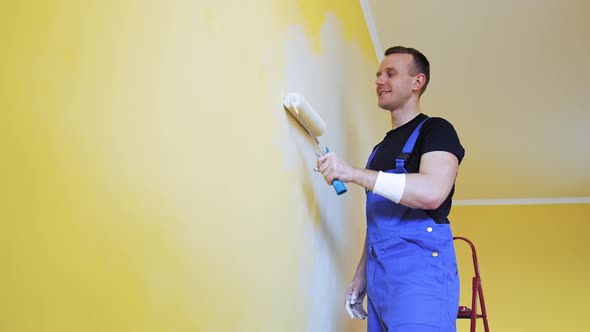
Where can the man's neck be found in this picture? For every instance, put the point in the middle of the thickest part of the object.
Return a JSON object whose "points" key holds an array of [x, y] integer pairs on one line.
{"points": [[405, 114]]}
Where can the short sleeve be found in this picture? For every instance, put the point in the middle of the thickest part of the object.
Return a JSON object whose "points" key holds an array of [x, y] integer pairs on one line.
{"points": [[439, 135]]}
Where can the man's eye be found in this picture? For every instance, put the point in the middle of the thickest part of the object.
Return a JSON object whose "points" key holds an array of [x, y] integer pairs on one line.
{"points": [[390, 75]]}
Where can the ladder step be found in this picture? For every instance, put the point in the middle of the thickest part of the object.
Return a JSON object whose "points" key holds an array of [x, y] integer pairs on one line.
{"points": [[464, 313]]}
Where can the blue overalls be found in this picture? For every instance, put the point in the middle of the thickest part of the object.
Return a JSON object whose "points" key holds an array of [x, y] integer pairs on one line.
{"points": [[412, 279]]}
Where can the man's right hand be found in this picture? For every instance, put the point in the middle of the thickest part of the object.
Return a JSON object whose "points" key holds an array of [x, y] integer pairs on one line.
{"points": [[354, 297]]}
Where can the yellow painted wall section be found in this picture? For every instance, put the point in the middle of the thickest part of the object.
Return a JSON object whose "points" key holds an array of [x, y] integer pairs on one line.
{"points": [[348, 12], [534, 265], [151, 180]]}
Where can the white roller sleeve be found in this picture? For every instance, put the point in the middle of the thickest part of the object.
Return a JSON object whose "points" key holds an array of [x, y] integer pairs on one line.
{"points": [[390, 186], [304, 110]]}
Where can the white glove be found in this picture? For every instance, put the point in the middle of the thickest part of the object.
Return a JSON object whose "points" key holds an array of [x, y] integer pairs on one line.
{"points": [[354, 306]]}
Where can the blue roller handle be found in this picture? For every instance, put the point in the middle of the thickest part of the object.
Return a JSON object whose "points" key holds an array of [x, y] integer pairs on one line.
{"points": [[337, 184]]}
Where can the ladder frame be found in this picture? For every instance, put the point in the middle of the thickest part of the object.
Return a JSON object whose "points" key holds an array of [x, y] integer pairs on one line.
{"points": [[476, 293]]}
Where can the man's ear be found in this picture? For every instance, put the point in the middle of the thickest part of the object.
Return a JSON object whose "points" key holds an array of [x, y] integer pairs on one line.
{"points": [[419, 82]]}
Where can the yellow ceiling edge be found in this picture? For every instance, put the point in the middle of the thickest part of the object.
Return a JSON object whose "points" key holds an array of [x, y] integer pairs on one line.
{"points": [[372, 27], [523, 201]]}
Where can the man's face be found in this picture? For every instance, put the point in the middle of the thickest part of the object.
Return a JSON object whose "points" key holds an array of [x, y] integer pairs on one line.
{"points": [[394, 83]]}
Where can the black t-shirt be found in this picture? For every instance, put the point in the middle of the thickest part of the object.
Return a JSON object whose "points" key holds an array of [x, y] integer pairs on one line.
{"points": [[437, 134]]}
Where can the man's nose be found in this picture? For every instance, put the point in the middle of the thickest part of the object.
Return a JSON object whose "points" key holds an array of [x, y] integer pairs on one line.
{"points": [[379, 80]]}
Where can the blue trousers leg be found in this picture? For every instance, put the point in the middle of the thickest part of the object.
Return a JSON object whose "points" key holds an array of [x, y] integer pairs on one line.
{"points": [[374, 322], [415, 328]]}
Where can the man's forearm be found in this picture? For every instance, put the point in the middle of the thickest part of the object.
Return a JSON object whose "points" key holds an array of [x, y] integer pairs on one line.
{"points": [[419, 191], [365, 178], [362, 266]]}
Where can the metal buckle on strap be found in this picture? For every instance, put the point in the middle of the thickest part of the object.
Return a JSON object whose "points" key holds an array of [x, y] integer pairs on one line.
{"points": [[403, 156]]}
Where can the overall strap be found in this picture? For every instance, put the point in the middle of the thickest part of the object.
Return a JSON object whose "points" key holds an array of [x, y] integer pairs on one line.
{"points": [[400, 161], [372, 155]]}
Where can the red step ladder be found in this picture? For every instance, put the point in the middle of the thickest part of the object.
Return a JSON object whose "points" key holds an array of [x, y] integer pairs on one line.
{"points": [[476, 292]]}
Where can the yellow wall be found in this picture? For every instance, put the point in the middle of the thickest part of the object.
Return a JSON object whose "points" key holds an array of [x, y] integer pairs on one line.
{"points": [[151, 180], [534, 265]]}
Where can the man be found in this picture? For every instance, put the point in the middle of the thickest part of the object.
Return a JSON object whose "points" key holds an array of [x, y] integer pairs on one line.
{"points": [[408, 266]]}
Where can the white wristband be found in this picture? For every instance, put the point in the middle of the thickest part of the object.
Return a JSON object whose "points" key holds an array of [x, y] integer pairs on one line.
{"points": [[390, 186]]}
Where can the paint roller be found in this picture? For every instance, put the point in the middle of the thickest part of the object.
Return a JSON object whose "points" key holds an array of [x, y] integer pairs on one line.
{"points": [[313, 124]]}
